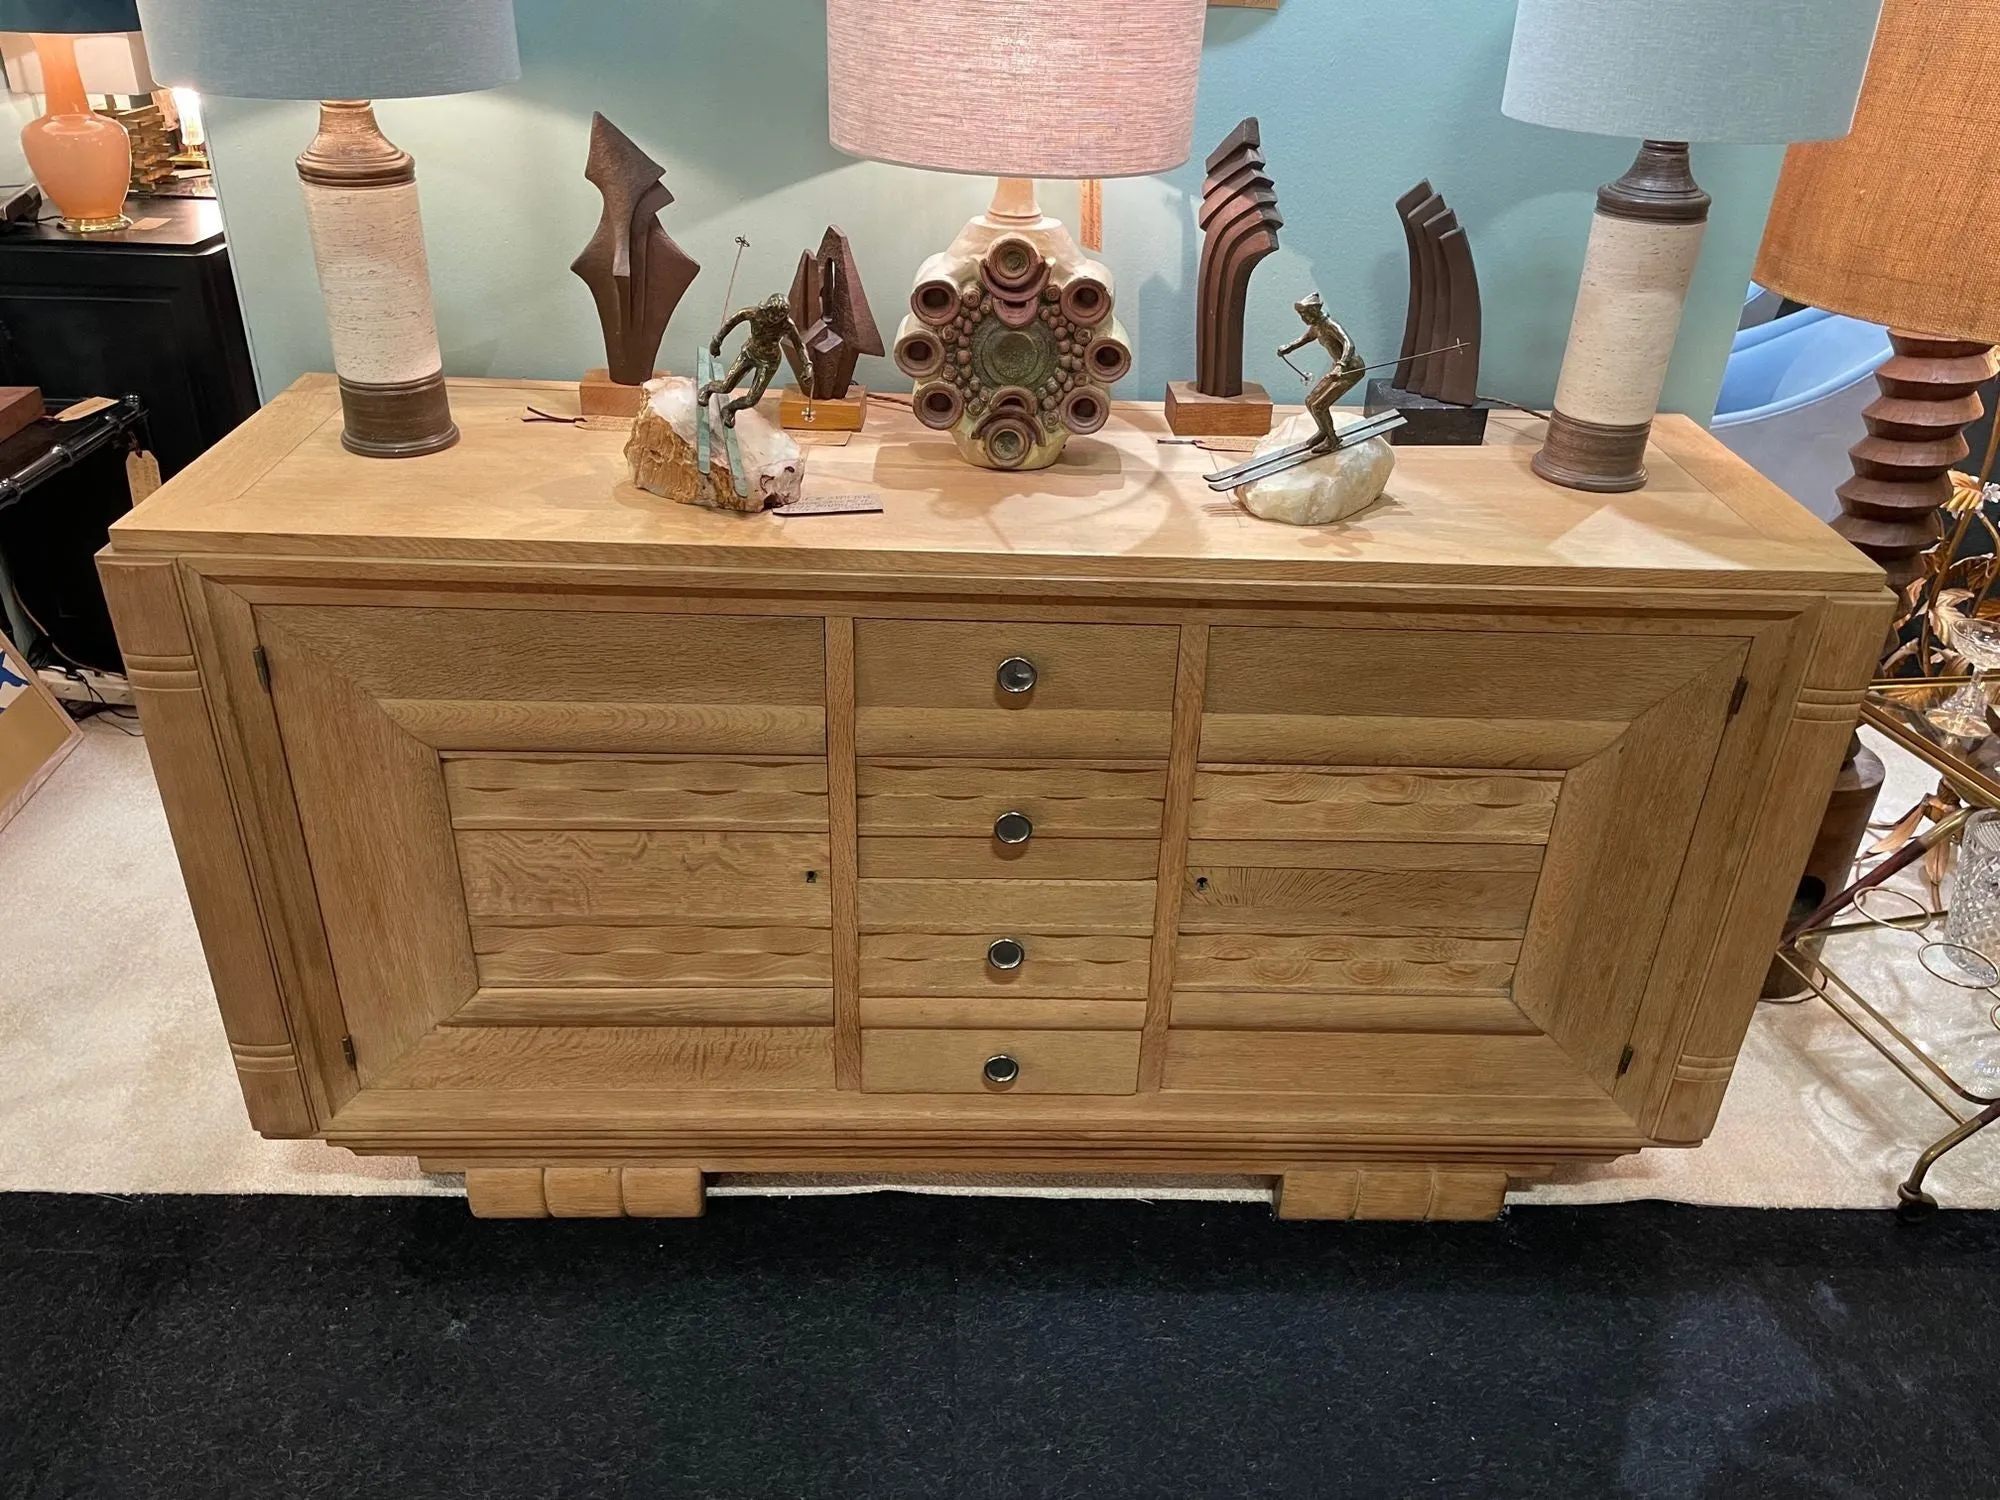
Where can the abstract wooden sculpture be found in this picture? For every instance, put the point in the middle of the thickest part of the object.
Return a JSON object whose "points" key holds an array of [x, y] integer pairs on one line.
{"points": [[633, 268], [830, 306], [1436, 385], [1240, 223]]}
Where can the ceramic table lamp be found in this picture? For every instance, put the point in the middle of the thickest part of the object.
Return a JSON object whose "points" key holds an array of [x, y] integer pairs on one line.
{"points": [[1669, 72], [82, 160], [1012, 338], [1895, 225], [360, 191]]}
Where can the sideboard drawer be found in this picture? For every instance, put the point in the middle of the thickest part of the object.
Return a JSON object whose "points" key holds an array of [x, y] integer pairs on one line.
{"points": [[1023, 1062], [974, 688], [969, 801], [957, 963]]}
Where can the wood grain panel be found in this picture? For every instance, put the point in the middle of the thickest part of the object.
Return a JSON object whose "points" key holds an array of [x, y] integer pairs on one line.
{"points": [[1245, 962], [951, 1062], [1471, 1012], [613, 728], [1311, 1062], [562, 655], [498, 791], [924, 686], [843, 838], [1341, 854], [1056, 906], [1470, 903], [511, 1059], [1578, 675], [960, 1014], [578, 1006], [642, 954], [1250, 802], [751, 879], [988, 859], [954, 964], [964, 800], [1496, 742], [1379, 1191]]}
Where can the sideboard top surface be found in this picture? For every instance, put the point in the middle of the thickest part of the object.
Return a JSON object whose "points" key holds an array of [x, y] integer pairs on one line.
{"points": [[1122, 507]]}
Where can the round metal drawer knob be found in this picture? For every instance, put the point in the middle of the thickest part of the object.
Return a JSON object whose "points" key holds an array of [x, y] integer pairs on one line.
{"points": [[1000, 1071], [1006, 953], [1013, 828], [1016, 675]]}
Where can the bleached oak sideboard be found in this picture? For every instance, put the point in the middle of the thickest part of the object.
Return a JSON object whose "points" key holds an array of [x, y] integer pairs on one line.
{"points": [[1047, 823]]}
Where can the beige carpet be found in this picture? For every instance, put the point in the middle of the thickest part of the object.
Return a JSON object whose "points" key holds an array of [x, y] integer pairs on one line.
{"points": [[114, 1077]]}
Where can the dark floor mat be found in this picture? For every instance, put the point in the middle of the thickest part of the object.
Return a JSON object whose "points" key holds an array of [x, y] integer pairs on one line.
{"points": [[948, 1347]]}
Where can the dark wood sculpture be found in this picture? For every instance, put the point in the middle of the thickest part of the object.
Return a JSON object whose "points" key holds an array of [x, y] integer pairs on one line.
{"points": [[1436, 385], [1239, 222], [631, 265], [830, 305]]}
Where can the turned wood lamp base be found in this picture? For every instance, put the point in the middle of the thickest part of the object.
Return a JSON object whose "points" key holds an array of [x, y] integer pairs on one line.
{"points": [[1891, 508]]}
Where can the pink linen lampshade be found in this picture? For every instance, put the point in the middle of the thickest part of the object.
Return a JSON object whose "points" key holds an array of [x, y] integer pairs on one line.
{"points": [[1016, 88]]}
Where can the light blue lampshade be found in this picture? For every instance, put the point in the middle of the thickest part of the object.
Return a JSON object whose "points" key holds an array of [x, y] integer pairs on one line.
{"points": [[1691, 70], [331, 49], [73, 17]]}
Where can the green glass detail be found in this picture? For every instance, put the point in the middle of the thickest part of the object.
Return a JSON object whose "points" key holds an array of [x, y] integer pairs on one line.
{"points": [[1003, 356]]}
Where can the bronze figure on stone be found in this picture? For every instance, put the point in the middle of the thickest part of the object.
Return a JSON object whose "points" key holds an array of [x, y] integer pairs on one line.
{"points": [[774, 338]]}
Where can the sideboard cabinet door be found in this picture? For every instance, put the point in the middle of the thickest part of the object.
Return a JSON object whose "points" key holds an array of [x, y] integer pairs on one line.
{"points": [[564, 849]]}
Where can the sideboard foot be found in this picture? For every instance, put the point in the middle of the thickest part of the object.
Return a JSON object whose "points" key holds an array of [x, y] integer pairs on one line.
{"points": [[1392, 1192], [584, 1192]]}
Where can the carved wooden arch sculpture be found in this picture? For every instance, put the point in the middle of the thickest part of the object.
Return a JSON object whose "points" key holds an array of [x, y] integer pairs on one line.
{"points": [[1239, 222], [634, 270], [1436, 386]]}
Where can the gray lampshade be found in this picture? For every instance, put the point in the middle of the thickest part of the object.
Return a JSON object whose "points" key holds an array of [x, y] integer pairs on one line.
{"points": [[1691, 70], [75, 17], [332, 49]]}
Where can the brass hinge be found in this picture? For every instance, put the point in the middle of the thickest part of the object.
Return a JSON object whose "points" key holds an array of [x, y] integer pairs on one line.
{"points": [[1624, 1062], [263, 662], [1736, 698], [347, 1050]]}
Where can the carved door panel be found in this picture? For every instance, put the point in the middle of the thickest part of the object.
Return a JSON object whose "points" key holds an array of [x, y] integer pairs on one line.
{"points": [[563, 848], [1438, 861]]}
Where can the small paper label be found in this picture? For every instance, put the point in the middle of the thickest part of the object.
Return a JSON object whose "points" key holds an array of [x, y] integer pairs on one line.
{"points": [[831, 505]]}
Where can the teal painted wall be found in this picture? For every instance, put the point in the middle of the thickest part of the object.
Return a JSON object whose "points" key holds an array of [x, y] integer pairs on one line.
{"points": [[1358, 98]]}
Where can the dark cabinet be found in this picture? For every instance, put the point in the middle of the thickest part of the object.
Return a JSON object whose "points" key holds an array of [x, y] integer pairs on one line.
{"points": [[150, 311]]}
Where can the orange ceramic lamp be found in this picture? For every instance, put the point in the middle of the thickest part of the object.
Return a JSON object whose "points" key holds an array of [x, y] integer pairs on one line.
{"points": [[83, 160]]}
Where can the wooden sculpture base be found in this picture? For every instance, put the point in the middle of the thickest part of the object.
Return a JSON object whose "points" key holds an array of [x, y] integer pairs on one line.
{"points": [[1192, 414], [847, 413], [1428, 423], [598, 395], [1916, 433]]}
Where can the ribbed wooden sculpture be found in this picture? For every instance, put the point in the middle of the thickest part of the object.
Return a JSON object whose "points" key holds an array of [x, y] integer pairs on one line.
{"points": [[633, 268], [1239, 222], [830, 306], [1436, 386]]}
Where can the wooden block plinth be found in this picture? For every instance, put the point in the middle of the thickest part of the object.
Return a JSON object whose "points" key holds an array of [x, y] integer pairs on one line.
{"points": [[598, 395], [848, 413], [20, 405], [1191, 414]]}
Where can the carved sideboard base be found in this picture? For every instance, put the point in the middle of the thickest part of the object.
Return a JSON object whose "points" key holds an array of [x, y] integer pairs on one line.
{"points": [[1373, 1191], [584, 1192]]}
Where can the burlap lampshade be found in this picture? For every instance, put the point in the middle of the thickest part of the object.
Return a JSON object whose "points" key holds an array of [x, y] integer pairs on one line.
{"points": [[1894, 225]]}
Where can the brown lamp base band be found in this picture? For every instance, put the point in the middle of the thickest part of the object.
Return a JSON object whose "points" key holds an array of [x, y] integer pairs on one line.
{"points": [[1592, 456], [405, 420]]}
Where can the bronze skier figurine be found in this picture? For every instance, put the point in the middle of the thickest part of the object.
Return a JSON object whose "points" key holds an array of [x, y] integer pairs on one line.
{"points": [[1338, 381], [1329, 388], [773, 336]]}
